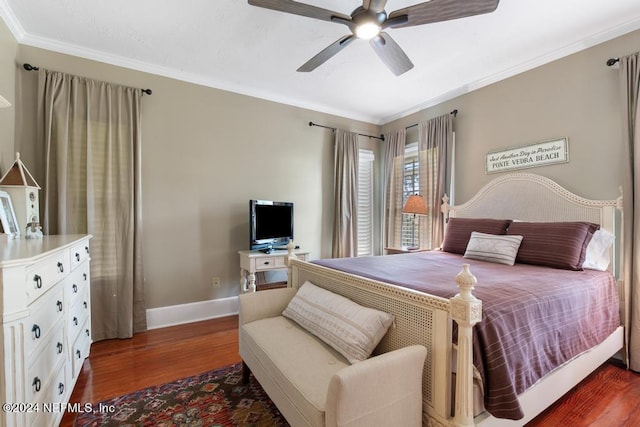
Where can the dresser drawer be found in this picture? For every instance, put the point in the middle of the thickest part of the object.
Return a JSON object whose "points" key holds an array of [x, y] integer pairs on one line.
{"points": [[78, 314], [53, 396], [79, 253], [41, 370], [46, 273], [77, 283], [81, 349], [45, 316]]}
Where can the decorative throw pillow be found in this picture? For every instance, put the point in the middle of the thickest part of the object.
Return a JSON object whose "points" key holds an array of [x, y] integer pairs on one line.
{"points": [[351, 329], [501, 249], [553, 244], [598, 255], [458, 231]]}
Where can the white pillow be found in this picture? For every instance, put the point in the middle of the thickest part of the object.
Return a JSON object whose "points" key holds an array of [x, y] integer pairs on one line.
{"points": [[498, 248], [598, 252], [351, 329]]}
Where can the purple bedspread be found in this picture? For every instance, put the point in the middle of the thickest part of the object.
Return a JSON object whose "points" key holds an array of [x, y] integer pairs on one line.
{"points": [[534, 319]]}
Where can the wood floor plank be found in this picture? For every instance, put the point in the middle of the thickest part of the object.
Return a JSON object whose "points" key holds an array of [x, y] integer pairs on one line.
{"points": [[608, 397]]}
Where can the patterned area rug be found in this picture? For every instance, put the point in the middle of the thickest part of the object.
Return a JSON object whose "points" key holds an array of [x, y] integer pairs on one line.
{"points": [[215, 398]]}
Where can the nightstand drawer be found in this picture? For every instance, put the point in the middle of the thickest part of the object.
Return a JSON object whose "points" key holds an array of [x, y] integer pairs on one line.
{"points": [[269, 262]]}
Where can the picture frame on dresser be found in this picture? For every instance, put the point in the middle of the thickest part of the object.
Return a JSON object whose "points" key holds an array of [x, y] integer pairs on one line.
{"points": [[8, 216]]}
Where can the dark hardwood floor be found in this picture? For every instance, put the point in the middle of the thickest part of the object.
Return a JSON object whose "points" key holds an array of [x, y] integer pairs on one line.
{"points": [[609, 397]]}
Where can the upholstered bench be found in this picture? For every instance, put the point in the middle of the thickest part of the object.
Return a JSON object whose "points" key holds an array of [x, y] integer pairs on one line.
{"points": [[314, 384]]}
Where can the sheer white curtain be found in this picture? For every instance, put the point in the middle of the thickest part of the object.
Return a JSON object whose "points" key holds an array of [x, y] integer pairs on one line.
{"points": [[434, 140], [630, 93], [393, 184], [89, 133], [345, 225]]}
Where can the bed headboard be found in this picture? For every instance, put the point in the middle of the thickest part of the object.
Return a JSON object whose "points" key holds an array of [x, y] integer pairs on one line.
{"points": [[531, 197]]}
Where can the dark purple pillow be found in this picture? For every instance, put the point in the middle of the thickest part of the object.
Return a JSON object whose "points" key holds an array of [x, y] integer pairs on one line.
{"points": [[553, 244], [458, 231]]}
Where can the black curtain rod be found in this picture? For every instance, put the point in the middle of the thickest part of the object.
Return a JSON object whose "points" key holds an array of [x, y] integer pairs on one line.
{"points": [[30, 67], [612, 61], [381, 137], [454, 113]]}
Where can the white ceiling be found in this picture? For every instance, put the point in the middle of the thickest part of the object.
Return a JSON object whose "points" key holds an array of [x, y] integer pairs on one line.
{"points": [[231, 45]]}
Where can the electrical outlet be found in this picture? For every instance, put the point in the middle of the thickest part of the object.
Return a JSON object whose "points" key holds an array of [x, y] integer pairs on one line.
{"points": [[215, 282]]}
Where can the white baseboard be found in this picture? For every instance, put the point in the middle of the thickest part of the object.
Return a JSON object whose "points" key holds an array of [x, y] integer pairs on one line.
{"points": [[192, 312]]}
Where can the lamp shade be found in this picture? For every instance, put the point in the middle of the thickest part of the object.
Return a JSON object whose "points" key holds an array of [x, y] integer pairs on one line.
{"points": [[415, 205]]}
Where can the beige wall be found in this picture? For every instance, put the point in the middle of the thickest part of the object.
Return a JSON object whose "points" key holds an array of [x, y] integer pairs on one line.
{"points": [[206, 152], [575, 97], [8, 48]]}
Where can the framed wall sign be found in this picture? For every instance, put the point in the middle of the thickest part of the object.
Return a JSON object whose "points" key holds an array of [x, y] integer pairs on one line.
{"points": [[530, 156]]}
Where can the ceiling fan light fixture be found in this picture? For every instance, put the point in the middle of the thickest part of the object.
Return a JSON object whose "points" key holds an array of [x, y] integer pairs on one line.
{"points": [[367, 31]]}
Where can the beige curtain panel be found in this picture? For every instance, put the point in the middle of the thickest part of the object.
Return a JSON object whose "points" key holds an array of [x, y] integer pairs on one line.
{"points": [[345, 225], [435, 137], [629, 94], [393, 187], [89, 135]]}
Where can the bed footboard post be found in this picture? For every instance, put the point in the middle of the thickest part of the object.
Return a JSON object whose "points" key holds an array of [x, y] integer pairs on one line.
{"points": [[466, 311], [287, 260]]}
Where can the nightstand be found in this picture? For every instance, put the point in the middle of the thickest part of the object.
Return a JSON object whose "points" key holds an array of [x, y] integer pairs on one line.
{"points": [[252, 262]]}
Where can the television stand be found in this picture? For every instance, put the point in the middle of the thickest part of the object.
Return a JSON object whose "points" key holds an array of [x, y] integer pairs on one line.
{"points": [[252, 262]]}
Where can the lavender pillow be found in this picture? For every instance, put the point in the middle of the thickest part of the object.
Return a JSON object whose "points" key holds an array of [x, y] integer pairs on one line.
{"points": [[458, 231], [553, 244]]}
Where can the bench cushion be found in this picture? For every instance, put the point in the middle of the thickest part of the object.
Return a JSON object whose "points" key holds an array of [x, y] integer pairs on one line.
{"points": [[293, 366]]}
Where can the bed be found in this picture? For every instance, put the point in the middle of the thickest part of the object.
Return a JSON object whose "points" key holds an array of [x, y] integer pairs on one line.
{"points": [[462, 325]]}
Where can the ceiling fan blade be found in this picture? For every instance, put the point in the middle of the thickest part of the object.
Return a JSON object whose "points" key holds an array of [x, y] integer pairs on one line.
{"points": [[391, 54], [374, 5], [442, 10], [301, 9], [326, 53]]}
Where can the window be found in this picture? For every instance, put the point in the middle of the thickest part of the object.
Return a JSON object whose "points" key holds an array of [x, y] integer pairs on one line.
{"points": [[414, 228], [411, 185], [365, 202]]}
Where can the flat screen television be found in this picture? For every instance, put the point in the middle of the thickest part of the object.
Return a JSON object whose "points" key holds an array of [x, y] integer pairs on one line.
{"points": [[270, 224]]}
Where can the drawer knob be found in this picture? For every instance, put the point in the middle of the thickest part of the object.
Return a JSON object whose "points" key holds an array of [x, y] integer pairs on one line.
{"points": [[266, 263], [59, 304], [85, 304], [84, 276], [86, 331], [86, 249], [38, 281], [59, 347], [77, 256], [75, 321], [60, 267], [35, 330], [78, 354], [60, 388], [75, 288], [36, 384]]}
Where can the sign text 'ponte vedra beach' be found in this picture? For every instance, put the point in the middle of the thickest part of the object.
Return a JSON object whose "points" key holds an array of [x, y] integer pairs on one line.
{"points": [[540, 154]]}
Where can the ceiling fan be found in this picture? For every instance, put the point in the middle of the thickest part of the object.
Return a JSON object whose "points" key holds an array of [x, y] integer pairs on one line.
{"points": [[370, 20]]}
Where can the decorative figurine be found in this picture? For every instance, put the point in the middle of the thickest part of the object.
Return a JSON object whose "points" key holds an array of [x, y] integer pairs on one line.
{"points": [[33, 231]]}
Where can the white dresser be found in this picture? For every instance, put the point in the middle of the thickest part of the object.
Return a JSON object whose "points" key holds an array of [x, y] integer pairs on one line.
{"points": [[46, 326]]}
